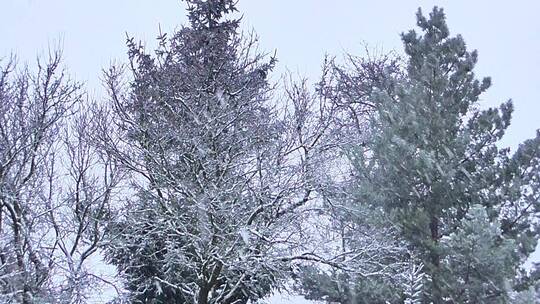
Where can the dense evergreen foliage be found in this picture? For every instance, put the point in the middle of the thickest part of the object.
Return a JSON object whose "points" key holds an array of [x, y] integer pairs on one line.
{"points": [[466, 207]]}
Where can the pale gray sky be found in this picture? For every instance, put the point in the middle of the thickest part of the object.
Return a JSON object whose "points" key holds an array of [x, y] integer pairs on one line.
{"points": [[92, 33]]}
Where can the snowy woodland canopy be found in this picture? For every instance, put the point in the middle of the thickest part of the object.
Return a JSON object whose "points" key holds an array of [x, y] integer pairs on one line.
{"points": [[200, 181]]}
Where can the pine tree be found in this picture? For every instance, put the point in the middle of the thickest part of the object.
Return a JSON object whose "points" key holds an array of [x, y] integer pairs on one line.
{"points": [[209, 156], [433, 163]]}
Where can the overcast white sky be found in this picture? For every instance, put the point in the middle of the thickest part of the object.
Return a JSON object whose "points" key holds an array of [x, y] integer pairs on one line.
{"points": [[92, 34]]}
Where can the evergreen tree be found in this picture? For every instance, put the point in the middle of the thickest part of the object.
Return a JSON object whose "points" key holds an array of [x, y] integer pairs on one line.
{"points": [[468, 209], [215, 187]]}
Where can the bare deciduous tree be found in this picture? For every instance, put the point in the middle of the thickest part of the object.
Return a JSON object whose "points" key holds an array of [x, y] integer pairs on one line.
{"points": [[54, 189]]}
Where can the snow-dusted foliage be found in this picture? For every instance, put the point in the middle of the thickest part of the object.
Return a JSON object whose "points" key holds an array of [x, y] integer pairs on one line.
{"points": [[202, 182], [413, 283], [218, 172], [432, 157], [482, 259]]}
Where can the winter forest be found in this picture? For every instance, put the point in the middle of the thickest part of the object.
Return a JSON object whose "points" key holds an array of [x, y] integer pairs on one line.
{"points": [[202, 179]]}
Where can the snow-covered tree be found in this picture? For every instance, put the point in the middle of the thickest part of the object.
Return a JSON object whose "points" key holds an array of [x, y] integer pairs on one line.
{"points": [[218, 172], [362, 240], [54, 189], [433, 163]]}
